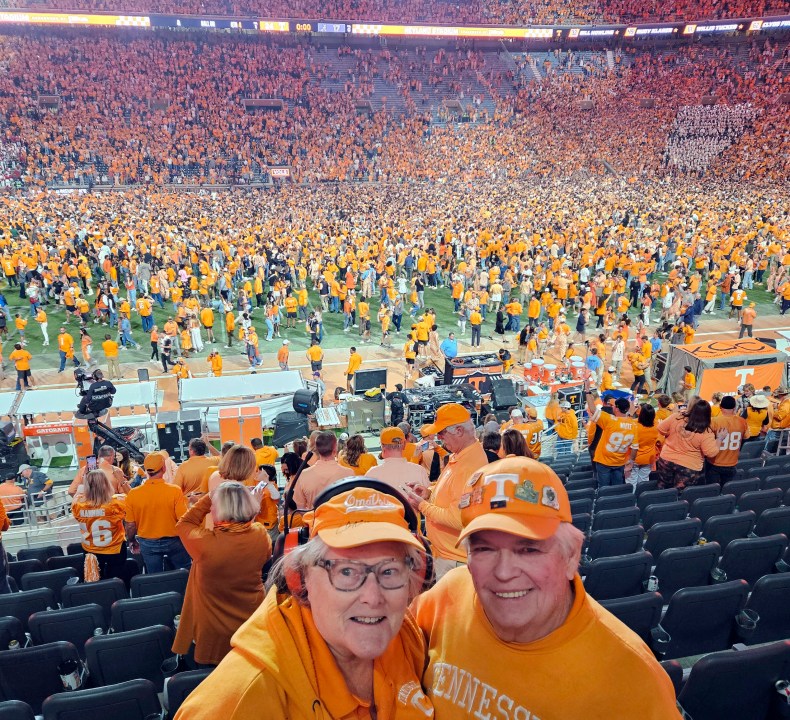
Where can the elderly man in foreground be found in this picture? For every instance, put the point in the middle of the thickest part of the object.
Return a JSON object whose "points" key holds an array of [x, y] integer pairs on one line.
{"points": [[514, 634]]}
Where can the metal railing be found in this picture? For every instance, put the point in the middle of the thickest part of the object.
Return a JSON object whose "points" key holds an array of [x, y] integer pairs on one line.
{"points": [[48, 522]]}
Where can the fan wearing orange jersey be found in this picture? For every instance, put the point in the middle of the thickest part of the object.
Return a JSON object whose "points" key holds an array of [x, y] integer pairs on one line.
{"points": [[617, 437], [100, 515], [731, 430]]}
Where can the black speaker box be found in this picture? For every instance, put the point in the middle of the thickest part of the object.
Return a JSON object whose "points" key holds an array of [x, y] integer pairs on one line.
{"points": [[503, 394], [574, 395], [289, 426], [174, 431], [305, 401]]}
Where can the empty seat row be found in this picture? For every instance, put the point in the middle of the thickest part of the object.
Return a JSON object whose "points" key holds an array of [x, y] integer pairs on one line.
{"points": [[708, 619], [104, 593], [31, 674], [624, 575]]}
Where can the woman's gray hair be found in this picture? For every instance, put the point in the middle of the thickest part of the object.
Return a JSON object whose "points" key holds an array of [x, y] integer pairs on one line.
{"points": [[294, 564], [233, 502]]}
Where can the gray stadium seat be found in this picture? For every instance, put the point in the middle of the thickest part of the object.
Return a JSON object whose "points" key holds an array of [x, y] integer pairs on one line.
{"points": [[664, 512], [736, 684], [138, 613], [705, 508], [31, 674], [723, 529], [692, 492], [750, 558], [770, 599], [104, 593], [156, 583], [55, 580], [581, 506], [11, 629], [618, 577], [773, 521], [618, 541], [654, 497], [678, 568], [641, 613], [739, 487], [699, 620], [760, 500], [614, 502], [130, 700], [19, 568], [75, 625], [123, 656], [39, 553], [22, 605], [618, 518], [180, 686], [582, 522], [673, 534]]}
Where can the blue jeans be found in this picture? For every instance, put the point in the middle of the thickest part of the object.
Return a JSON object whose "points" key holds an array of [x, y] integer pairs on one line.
{"points": [[155, 550], [610, 474], [63, 361]]}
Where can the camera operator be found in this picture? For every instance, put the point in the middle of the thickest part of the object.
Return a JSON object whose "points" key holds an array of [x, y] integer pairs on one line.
{"points": [[97, 398]]}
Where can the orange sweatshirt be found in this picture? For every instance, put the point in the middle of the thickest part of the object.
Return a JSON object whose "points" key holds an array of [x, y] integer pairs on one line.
{"points": [[280, 667], [473, 674]]}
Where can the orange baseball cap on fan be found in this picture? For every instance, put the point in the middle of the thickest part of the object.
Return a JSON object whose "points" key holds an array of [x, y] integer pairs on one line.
{"points": [[446, 416], [154, 462], [359, 517], [392, 436], [515, 495]]}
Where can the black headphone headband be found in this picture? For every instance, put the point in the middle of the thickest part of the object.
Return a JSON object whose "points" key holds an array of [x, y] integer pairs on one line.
{"points": [[350, 483]]}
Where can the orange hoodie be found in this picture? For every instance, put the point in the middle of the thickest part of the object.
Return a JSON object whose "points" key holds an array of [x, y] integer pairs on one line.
{"points": [[280, 667]]}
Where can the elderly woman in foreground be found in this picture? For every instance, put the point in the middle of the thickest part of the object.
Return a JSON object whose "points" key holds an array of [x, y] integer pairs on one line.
{"points": [[332, 639]]}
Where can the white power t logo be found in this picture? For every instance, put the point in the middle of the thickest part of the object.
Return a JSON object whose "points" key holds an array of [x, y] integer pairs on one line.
{"points": [[499, 479], [743, 373]]}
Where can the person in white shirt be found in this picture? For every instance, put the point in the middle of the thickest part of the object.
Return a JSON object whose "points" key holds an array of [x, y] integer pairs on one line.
{"points": [[396, 471]]}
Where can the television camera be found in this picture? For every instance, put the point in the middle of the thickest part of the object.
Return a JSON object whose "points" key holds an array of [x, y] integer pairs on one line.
{"points": [[96, 398]]}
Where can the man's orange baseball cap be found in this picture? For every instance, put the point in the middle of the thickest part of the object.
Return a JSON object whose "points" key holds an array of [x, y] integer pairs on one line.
{"points": [[446, 416], [515, 495], [154, 462], [392, 436], [359, 517]]}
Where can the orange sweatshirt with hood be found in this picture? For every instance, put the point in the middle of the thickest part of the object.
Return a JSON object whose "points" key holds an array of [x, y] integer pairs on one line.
{"points": [[280, 668]]}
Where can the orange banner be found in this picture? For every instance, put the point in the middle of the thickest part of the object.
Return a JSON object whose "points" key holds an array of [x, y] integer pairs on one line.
{"points": [[716, 349], [728, 380]]}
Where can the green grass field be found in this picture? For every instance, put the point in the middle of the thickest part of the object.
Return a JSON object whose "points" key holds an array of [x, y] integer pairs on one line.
{"points": [[334, 337]]}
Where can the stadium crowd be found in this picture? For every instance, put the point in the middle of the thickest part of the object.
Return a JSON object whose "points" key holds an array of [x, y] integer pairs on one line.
{"points": [[177, 113], [498, 12]]}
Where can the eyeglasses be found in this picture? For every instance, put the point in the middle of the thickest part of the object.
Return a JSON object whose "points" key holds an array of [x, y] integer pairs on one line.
{"points": [[350, 575]]}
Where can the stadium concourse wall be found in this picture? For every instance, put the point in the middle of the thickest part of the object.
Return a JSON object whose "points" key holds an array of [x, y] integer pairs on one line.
{"points": [[724, 365]]}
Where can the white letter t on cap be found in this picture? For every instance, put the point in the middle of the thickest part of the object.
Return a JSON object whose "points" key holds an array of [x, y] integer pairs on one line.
{"points": [[500, 479]]}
